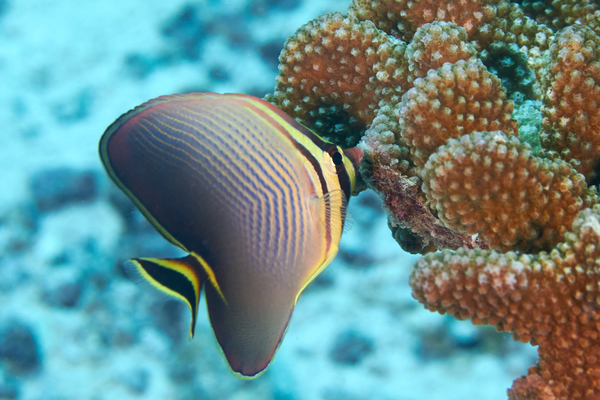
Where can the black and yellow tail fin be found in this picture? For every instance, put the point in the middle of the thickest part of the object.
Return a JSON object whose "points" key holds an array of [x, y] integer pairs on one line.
{"points": [[181, 278]]}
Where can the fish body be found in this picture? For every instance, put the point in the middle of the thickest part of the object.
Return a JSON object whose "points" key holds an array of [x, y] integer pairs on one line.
{"points": [[257, 200]]}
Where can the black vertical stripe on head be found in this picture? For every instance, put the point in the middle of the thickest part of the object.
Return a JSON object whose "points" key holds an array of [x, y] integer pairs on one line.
{"points": [[342, 174], [340, 169], [344, 180], [314, 162]]}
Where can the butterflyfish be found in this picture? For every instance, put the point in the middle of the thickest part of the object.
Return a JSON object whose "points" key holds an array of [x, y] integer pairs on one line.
{"points": [[257, 200]]}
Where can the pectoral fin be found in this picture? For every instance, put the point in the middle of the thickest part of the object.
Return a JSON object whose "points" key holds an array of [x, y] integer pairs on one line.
{"points": [[181, 278], [330, 210]]}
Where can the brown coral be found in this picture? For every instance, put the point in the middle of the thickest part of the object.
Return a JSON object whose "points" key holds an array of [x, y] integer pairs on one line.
{"points": [[510, 25], [489, 184], [435, 44], [548, 299], [403, 17], [454, 99], [451, 101], [571, 84], [329, 71], [559, 14], [413, 225]]}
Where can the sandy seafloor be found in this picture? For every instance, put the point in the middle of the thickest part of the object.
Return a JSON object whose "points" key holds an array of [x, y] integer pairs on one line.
{"points": [[73, 327]]}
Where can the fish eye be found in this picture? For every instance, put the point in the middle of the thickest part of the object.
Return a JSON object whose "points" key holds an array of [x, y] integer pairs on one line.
{"points": [[336, 155], [333, 158], [337, 158]]}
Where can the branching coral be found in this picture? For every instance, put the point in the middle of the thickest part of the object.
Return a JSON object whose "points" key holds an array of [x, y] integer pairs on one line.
{"points": [[491, 185], [402, 18], [329, 74], [435, 44], [433, 91], [558, 14], [549, 299], [451, 101], [570, 82]]}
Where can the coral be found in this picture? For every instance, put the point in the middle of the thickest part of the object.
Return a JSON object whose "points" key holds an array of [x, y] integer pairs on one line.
{"points": [[404, 17], [329, 70], [510, 65], [559, 14], [489, 184], [547, 299], [571, 82], [509, 25], [412, 223], [451, 101], [480, 125], [435, 44]]}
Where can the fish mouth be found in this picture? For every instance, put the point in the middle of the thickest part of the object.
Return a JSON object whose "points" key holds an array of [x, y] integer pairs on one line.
{"points": [[355, 155]]}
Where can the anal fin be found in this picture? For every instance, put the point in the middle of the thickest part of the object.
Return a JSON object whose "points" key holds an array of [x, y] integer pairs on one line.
{"points": [[181, 278]]}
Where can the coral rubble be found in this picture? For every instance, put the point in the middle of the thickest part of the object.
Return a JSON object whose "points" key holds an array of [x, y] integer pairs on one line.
{"points": [[434, 93]]}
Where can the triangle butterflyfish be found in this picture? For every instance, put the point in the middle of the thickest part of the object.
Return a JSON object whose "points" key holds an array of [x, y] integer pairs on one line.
{"points": [[257, 201]]}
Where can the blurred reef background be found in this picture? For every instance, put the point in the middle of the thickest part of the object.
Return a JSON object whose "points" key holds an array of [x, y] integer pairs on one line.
{"points": [[72, 326]]}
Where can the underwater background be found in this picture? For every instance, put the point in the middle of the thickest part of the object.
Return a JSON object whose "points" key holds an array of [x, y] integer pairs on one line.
{"points": [[72, 326]]}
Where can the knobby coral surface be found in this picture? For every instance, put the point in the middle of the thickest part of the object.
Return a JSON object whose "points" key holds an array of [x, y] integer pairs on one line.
{"points": [[493, 186], [570, 110], [549, 299], [480, 125], [327, 74]]}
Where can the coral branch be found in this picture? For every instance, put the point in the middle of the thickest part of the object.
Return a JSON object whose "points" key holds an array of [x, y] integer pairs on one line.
{"points": [[329, 74], [491, 184], [453, 100], [549, 299], [571, 82], [414, 226]]}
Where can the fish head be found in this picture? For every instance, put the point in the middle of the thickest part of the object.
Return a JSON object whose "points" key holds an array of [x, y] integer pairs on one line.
{"points": [[338, 162]]}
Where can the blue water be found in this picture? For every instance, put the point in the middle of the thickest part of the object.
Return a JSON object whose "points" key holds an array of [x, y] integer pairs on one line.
{"points": [[72, 326]]}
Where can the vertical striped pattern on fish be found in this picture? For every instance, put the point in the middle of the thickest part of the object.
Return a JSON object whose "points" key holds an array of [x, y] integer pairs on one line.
{"points": [[257, 199]]}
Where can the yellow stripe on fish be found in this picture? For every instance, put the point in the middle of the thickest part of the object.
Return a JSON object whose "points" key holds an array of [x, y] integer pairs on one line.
{"points": [[256, 199]]}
